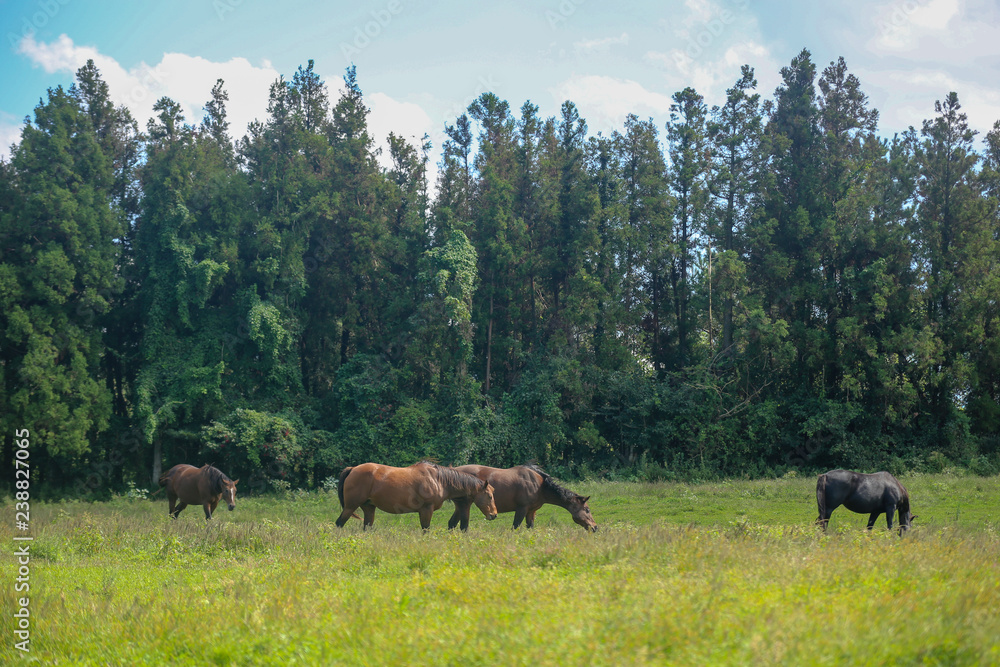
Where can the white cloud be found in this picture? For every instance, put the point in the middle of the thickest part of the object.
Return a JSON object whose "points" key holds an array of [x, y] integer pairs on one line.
{"points": [[10, 133], [714, 39], [600, 45], [903, 23], [188, 80], [404, 119], [605, 101], [913, 93], [700, 12], [712, 74]]}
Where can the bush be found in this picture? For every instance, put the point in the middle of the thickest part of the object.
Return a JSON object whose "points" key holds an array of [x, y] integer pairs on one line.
{"points": [[262, 446]]}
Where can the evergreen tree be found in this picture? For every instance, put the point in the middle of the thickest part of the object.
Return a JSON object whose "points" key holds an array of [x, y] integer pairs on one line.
{"points": [[58, 231], [187, 256], [688, 177], [983, 402], [735, 134], [954, 249], [496, 234], [641, 241], [783, 253]]}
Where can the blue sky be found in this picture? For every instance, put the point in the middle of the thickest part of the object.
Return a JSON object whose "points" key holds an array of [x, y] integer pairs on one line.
{"points": [[420, 63]]}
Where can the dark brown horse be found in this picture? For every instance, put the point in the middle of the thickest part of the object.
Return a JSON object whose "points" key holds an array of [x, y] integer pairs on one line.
{"points": [[522, 490], [422, 487], [863, 493], [187, 485]]}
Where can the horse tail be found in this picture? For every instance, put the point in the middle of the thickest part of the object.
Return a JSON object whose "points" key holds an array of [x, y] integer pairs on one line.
{"points": [[821, 499], [165, 477], [340, 484], [340, 489]]}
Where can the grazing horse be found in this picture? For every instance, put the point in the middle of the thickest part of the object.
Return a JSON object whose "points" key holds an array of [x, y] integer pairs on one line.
{"points": [[864, 494], [522, 490], [198, 486], [422, 487]]}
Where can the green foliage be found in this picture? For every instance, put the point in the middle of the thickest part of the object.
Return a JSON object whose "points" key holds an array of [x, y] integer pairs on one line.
{"points": [[768, 287], [59, 228], [246, 442]]}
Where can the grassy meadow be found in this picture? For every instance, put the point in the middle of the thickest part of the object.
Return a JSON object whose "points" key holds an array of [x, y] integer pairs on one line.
{"points": [[729, 573]]}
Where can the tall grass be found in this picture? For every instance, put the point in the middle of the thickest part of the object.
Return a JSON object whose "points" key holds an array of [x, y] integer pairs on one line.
{"points": [[729, 573]]}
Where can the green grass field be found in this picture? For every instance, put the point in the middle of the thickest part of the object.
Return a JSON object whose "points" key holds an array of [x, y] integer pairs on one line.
{"points": [[731, 573]]}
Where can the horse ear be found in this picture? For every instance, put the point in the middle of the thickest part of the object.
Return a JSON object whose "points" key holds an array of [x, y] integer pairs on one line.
{"points": [[236, 482], [584, 499]]}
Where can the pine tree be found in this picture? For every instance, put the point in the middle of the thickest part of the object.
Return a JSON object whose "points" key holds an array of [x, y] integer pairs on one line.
{"points": [[954, 248], [783, 252], [735, 134], [187, 256], [58, 232], [641, 241], [495, 232], [688, 177]]}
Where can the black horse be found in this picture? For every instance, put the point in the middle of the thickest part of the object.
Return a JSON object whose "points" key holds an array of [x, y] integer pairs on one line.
{"points": [[864, 494]]}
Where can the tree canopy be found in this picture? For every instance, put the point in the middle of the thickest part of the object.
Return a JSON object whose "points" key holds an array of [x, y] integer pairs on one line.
{"points": [[758, 286]]}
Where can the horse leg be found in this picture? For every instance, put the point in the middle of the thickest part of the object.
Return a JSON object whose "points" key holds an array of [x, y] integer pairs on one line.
{"points": [[456, 516], [872, 518], [369, 511], [171, 501], [529, 518], [465, 516], [889, 511], [210, 508], [345, 515], [180, 506], [461, 515], [426, 512], [519, 516]]}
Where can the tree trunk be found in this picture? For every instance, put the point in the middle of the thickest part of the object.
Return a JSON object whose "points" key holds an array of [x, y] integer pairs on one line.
{"points": [[489, 344], [727, 303], [345, 340], [157, 460]]}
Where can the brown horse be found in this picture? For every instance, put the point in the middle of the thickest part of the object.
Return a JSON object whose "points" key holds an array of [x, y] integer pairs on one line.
{"points": [[422, 487], [198, 486], [522, 490]]}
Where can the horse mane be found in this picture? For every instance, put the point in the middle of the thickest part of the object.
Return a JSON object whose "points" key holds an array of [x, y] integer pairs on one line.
{"points": [[216, 478], [904, 499], [456, 478], [550, 484]]}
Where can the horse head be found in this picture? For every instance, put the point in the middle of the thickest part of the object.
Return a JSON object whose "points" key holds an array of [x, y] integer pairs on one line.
{"points": [[905, 521], [484, 500], [229, 493], [581, 513]]}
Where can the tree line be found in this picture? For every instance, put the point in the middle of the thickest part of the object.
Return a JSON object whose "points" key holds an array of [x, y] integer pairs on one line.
{"points": [[765, 285]]}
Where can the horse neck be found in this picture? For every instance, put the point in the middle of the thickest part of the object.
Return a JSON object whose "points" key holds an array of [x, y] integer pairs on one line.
{"points": [[454, 487], [210, 481], [552, 497]]}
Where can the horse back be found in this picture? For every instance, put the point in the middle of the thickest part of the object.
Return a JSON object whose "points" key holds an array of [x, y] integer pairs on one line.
{"points": [[515, 487], [863, 492], [176, 473]]}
